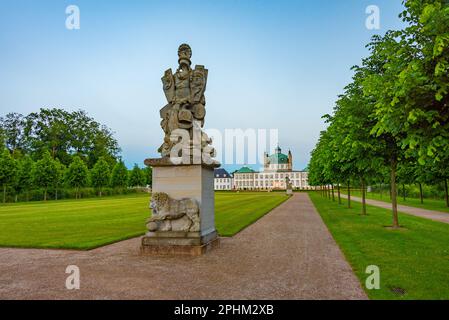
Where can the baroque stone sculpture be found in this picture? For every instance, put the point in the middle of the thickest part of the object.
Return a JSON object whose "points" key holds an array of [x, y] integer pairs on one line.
{"points": [[182, 204], [288, 185], [186, 108], [173, 215]]}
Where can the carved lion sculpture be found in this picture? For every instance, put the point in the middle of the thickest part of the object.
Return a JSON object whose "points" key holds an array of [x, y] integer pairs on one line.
{"points": [[173, 215]]}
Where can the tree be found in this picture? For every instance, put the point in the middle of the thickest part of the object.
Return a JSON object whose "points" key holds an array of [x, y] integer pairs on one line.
{"points": [[66, 134], [60, 177], [8, 171], [136, 177], [119, 178], [412, 91], [48, 130], [24, 181], [148, 174], [77, 175], [100, 175], [45, 173], [13, 125]]}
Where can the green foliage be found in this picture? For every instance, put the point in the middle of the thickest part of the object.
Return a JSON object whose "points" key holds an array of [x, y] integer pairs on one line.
{"points": [[8, 171], [45, 173], [60, 132], [392, 121], [148, 174], [25, 170], [100, 175], [12, 127], [77, 174], [136, 177], [119, 178]]}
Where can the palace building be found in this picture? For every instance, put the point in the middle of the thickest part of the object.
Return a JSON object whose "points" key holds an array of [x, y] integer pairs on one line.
{"points": [[276, 168], [223, 180]]}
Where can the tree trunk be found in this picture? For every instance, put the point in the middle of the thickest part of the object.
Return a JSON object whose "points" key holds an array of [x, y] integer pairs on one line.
{"points": [[45, 194], [16, 198], [446, 193], [4, 193], [328, 192], [101, 193], [380, 190], [420, 194], [349, 194], [363, 198], [339, 195], [333, 193], [394, 200], [56, 194]]}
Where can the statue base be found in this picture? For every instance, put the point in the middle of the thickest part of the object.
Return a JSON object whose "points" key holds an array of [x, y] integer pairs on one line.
{"points": [[169, 244], [289, 192], [180, 182]]}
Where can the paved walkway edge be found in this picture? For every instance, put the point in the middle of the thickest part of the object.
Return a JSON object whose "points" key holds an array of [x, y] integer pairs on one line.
{"points": [[414, 211]]}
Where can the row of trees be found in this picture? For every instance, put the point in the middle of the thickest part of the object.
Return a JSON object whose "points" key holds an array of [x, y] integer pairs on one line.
{"points": [[392, 121], [55, 150], [62, 133], [24, 174]]}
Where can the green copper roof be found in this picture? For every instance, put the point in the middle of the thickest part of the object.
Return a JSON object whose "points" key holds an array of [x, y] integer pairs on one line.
{"points": [[278, 158], [245, 170]]}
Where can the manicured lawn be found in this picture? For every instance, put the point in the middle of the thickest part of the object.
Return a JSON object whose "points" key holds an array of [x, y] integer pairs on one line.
{"points": [[415, 259], [235, 211], [429, 204], [90, 223]]}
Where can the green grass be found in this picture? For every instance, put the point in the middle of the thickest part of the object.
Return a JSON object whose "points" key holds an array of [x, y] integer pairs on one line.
{"points": [[429, 204], [415, 258], [235, 211], [90, 223]]}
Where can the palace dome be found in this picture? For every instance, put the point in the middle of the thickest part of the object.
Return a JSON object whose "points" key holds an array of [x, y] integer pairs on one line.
{"points": [[278, 158]]}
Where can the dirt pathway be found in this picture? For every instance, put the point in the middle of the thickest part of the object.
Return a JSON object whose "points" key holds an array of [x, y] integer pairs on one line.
{"points": [[419, 212], [288, 254]]}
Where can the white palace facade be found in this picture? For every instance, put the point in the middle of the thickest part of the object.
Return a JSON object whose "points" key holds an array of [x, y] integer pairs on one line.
{"points": [[277, 167]]}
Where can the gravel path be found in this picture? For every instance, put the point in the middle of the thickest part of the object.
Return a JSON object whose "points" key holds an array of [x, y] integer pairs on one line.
{"points": [[288, 254], [419, 212]]}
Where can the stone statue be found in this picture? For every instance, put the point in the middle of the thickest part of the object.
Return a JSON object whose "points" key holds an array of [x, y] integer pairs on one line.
{"points": [[288, 186], [182, 204], [173, 215], [186, 108]]}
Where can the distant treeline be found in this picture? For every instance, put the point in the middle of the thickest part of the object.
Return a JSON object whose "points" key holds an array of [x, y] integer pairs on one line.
{"points": [[58, 154]]}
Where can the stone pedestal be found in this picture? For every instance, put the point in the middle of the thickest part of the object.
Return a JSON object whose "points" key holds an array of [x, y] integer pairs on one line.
{"points": [[183, 183], [289, 192]]}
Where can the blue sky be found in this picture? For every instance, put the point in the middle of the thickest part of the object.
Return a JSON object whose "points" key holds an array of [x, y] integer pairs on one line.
{"points": [[272, 65]]}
